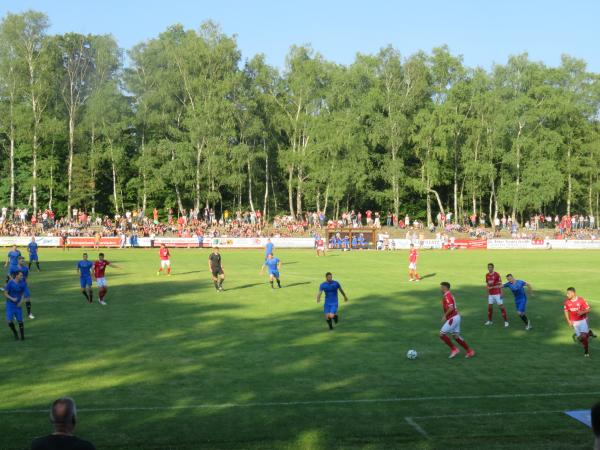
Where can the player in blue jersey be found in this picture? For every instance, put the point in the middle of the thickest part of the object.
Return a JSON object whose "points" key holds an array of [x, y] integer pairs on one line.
{"points": [[273, 265], [331, 288], [13, 260], [517, 287], [32, 248], [269, 249], [84, 268], [13, 292], [23, 269]]}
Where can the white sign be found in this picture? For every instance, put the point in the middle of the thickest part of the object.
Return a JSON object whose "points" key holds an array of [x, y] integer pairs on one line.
{"points": [[42, 241]]}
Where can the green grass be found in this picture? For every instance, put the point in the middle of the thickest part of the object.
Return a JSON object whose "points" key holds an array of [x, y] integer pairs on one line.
{"points": [[175, 347]]}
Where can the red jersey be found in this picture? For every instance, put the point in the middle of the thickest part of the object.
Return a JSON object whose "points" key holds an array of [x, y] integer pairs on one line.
{"points": [[412, 256], [574, 306], [447, 302], [164, 253], [100, 267], [493, 279], [320, 243]]}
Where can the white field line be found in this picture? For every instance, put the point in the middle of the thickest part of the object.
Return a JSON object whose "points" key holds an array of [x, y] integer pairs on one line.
{"points": [[317, 403], [417, 427], [490, 414]]}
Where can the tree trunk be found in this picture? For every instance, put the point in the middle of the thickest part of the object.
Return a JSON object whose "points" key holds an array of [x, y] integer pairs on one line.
{"points": [[12, 171], [198, 160], [439, 200], [518, 180], [569, 181], [70, 164], [250, 186], [299, 196], [290, 191], [114, 181], [429, 218], [34, 169], [326, 200], [455, 190], [266, 198], [395, 187]]}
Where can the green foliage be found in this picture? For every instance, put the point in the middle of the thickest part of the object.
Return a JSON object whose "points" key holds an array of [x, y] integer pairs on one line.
{"points": [[189, 124]]}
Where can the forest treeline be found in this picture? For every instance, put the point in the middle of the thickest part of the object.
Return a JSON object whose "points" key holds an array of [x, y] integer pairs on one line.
{"points": [[182, 121]]}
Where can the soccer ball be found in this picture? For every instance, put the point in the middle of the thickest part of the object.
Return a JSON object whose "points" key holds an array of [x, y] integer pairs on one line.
{"points": [[411, 354]]}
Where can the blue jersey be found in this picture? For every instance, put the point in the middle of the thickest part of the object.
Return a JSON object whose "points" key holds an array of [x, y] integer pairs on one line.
{"points": [[13, 257], [84, 267], [331, 291], [518, 289], [269, 248], [15, 290], [24, 270], [272, 264], [33, 248]]}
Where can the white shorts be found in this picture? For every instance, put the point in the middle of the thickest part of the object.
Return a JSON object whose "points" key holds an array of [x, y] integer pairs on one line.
{"points": [[165, 263], [320, 248], [451, 326], [581, 326], [412, 266], [496, 298], [101, 282]]}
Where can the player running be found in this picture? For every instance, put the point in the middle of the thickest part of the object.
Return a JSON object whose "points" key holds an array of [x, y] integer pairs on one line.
{"points": [[331, 287], [84, 268], [494, 288], [13, 260], [412, 264], [165, 261], [23, 269], [451, 321], [517, 287], [99, 269], [269, 248], [320, 246], [13, 292], [576, 311], [215, 267], [32, 248], [274, 266]]}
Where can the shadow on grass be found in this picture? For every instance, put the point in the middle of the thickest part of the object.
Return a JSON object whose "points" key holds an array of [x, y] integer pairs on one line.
{"points": [[163, 372]]}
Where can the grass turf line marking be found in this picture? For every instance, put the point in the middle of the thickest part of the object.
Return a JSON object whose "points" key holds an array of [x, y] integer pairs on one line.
{"points": [[310, 402], [491, 414], [417, 427]]}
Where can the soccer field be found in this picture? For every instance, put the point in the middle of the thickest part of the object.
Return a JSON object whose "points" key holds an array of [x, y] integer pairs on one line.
{"points": [[172, 364]]}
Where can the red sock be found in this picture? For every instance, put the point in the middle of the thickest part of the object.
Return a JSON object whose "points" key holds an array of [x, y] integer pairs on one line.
{"points": [[168, 270], [447, 341], [490, 312], [503, 310], [585, 341], [462, 343], [101, 293], [417, 276], [160, 270]]}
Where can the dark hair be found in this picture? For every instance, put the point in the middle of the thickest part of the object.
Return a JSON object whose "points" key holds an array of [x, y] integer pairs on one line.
{"points": [[509, 275], [491, 264], [85, 254], [572, 289], [63, 411], [596, 419], [100, 254], [445, 284], [327, 274]]}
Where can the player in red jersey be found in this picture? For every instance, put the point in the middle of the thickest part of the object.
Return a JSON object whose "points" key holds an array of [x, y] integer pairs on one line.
{"points": [[412, 264], [320, 246], [98, 272], [165, 261], [451, 321], [576, 311], [493, 284]]}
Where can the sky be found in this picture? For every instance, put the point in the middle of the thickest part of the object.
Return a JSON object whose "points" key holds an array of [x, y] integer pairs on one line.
{"points": [[484, 32]]}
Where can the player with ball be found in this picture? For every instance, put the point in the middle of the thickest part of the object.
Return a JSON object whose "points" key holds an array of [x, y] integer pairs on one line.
{"points": [[451, 320]]}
